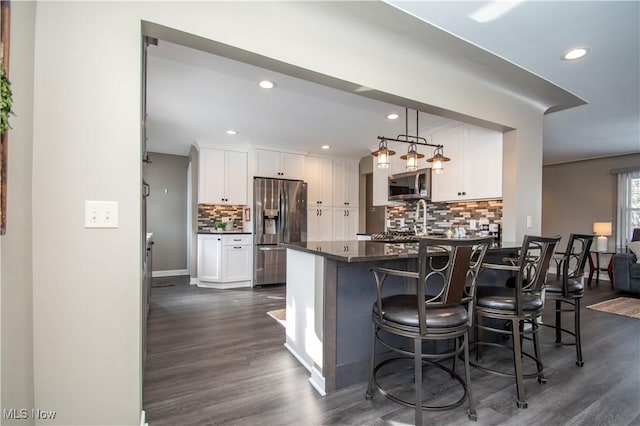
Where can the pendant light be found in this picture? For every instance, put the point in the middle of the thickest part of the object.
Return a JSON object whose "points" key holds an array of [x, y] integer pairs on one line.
{"points": [[437, 161], [412, 156], [383, 153]]}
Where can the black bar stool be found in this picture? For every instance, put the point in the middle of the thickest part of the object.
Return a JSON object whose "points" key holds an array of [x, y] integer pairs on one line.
{"points": [[518, 304], [451, 266]]}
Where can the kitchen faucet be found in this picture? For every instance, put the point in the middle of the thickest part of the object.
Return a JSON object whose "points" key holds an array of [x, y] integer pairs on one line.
{"points": [[424, 216]]}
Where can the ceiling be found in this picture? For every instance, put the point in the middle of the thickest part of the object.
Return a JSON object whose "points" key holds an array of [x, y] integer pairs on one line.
{"points": [[194, 95]]}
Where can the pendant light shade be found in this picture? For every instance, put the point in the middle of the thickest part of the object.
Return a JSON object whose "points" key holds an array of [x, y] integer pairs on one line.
{"points": [[383, 153], [437, 161], [412, 157]]}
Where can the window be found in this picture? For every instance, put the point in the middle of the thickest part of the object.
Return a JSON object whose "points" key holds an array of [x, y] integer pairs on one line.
{"points": [[628, 206]]}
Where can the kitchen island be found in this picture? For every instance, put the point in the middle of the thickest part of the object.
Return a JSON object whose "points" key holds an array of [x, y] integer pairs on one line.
{"points": [[330, 292]]}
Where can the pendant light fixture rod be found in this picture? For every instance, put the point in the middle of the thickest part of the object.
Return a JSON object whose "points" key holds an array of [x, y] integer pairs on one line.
{"points": [[416, 140], [406, 138]]}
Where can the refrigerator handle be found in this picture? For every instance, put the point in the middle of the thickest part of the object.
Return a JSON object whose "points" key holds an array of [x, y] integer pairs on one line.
{"points": [[285, 213]]}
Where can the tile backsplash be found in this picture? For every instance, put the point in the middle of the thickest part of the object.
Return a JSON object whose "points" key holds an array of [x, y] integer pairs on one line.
{"points": [[442, 216], [208, 214]]}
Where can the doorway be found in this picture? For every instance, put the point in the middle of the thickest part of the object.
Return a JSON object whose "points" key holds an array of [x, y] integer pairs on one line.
{"points": [[374, 217]]}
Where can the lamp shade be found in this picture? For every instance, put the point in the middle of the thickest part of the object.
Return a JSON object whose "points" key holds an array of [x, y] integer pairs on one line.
{"points": [[602, 228]]}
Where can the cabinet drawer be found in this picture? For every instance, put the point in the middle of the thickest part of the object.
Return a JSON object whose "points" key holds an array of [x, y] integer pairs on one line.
{"points": [[236, 240]]}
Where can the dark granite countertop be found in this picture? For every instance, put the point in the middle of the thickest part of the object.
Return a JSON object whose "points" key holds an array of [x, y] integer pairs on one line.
{"points": [[371, 251]]}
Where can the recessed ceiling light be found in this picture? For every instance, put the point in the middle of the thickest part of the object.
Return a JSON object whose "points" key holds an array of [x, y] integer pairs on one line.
{"points": [[266, 84], [393, 116], [575, 53], [325, 147], [231, 132]]}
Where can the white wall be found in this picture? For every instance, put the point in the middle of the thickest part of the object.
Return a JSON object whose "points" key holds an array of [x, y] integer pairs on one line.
{"points": [[16, 289], [86, 147]]}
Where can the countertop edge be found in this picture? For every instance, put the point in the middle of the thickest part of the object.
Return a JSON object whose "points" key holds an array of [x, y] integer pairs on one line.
{"points": [[224, 233]]}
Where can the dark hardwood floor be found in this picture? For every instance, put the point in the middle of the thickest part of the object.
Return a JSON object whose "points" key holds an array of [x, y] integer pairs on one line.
{"points": [[216, 358]]}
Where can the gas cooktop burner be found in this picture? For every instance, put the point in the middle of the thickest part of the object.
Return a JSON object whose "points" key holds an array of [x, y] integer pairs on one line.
{"points": [[401, 236]]}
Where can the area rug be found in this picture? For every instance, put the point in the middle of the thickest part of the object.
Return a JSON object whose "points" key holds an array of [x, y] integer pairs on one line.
{"points": [[279, 315], [625, 306]]}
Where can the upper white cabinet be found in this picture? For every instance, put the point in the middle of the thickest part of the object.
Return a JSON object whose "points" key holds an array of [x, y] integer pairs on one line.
{"points": [[276, 164], [475, 169], [319, 178], [346, 183], [381, 176], [222, 177]]}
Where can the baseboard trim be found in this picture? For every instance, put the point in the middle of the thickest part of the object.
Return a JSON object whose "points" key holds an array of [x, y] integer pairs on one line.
{"points": [[193, 280], [316, 379], [170, 273], [143, 418], [235, 284]]}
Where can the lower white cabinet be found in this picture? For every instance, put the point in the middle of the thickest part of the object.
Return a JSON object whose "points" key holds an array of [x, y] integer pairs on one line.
{"points": [[345, 224], [224, 260], [319, 224]]}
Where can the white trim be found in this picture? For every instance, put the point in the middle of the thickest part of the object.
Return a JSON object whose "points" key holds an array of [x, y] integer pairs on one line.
{"points": [[235, 284], [170, 273], [193, 280], [143, 418], [316, 379]]}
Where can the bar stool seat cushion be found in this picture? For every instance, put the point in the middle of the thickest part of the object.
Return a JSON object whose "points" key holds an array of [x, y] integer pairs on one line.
{"points": [[573, 286], [504, 299], [401, 309]]}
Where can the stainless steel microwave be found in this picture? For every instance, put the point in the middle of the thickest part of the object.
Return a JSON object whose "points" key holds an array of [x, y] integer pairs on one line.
{"points": [[410, 185]]}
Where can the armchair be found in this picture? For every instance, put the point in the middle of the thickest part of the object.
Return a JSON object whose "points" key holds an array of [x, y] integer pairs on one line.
{"points": [[626, 269]]}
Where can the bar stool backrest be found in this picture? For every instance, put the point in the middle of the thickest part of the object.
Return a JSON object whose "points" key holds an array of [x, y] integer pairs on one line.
{"points": [[576, 256], [455, 268], [535, 255]]}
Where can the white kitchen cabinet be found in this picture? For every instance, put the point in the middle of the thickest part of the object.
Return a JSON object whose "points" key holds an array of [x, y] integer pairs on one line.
{"points": [[276, 164], [209, 257], [345, 223], [346, 183], [222, 177], [381, 176], [225, 260], [319, 178], [319, 224], [475, 169], [237, 256]]}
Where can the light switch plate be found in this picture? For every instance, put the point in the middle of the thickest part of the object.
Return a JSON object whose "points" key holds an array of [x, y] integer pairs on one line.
{"points": [[100, 214], [529, 222]]}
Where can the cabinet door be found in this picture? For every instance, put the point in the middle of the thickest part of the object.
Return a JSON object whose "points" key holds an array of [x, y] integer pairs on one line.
{"points": [[211, 176], [235, 178], [482, 174], [209, 258], [236, 264], [345, 183], [292, 166], [446, 185], [318, 174], [345, 224], [267, 163], [319, 224]]}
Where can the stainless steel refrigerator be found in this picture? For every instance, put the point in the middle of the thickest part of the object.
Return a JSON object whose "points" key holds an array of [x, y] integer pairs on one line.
{"points": [[280, 216]]}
